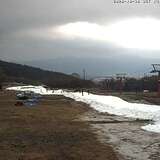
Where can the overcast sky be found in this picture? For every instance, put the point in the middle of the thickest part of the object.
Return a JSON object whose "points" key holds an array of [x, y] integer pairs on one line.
{"points": [[49, 29]]}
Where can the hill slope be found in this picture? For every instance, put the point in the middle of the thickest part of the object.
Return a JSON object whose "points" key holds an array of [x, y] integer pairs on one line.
{"points": [[31, 75]]}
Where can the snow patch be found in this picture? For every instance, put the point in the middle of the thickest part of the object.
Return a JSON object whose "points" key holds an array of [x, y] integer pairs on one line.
{"points": [[110, 104], [117, 106], [36, 89]]}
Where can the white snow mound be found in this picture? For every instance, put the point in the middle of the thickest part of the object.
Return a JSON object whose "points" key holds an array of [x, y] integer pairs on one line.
{"points": [[109, 104], [36, 89], [117, 106]]}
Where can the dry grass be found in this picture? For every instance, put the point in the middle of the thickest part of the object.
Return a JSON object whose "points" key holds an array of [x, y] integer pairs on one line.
{"points": [[48, 131]]}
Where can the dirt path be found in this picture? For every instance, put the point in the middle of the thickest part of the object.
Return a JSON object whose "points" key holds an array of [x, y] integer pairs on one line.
{"points": [[50, 131]]}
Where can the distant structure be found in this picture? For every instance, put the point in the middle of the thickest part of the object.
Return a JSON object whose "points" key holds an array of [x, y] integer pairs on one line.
{"points": [[104, 82], [76, 75], [102, 78], [107, 82], [156, 69], [84, 74], [120, 77]]}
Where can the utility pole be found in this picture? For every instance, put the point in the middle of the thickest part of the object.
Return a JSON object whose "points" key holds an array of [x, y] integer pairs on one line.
{"points": [[120, 78], [84, 74]]}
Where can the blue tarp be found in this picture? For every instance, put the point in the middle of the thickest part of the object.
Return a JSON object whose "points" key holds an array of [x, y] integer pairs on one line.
{"points": [[29, 98], [31, 102]]}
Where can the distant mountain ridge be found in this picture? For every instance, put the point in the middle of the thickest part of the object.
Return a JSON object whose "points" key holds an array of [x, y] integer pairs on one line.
{"points": [[13, 72], [95, 67]]}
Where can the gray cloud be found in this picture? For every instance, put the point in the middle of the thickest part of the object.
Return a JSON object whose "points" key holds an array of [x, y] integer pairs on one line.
{"points": [[19, 16]]}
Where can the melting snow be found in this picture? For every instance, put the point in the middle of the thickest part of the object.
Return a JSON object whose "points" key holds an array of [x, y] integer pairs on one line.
{"points": [[36, 89], [109, 104]]}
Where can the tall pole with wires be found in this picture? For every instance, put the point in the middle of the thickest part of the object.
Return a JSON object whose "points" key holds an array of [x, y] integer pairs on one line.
{"points": [[84, 74], [120, 78]]}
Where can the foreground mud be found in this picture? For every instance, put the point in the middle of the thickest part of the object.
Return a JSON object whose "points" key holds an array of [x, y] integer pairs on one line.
{"points": [[52, 130], [125, 135]]}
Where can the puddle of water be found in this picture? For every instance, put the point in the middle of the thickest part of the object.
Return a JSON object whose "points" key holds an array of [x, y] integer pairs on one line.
{"points": [[127, 138]]}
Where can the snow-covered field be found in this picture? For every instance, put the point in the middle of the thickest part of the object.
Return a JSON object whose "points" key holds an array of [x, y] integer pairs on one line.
{"points": [[109, 104]]}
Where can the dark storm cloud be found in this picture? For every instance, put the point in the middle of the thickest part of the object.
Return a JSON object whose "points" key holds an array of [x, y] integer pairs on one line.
{"points": [[22, 14], [17, 17]]}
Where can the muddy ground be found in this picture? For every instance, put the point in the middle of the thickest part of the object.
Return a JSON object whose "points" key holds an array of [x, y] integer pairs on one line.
{"points": [[125, 135], [59, 128], [52, 130]]}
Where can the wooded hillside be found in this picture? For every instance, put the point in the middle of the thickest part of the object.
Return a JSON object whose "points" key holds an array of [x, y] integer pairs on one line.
{"points": [[12, 72]]}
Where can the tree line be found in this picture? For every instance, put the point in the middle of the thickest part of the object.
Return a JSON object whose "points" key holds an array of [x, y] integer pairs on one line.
{"points": [[131, 84], [11, 72]]}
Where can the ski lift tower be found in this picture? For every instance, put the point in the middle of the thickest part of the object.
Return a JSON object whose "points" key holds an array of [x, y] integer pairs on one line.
{"points": [[156, 69], [120, 77]]}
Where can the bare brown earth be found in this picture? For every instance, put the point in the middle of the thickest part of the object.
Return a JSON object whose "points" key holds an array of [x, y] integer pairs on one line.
{"points": [[51, 130]]}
